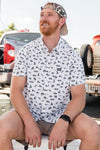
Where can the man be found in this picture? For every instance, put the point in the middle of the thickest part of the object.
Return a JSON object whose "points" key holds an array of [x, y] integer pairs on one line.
{"points": [[46, 71]]}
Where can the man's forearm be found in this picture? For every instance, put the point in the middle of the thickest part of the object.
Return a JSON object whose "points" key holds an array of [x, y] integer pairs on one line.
{"points": [[74, 107], [21, 106]]}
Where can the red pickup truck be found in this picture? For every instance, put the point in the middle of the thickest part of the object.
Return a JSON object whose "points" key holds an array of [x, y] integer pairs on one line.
{"points": [[90, 55]]}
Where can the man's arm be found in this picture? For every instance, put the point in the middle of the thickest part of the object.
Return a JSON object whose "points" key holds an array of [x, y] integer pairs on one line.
{"points": [[75, 106], [32, 132], [77, 102]]}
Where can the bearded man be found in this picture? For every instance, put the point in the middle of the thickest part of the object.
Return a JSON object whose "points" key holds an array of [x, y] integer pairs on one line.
{"points": [[46, 71]]}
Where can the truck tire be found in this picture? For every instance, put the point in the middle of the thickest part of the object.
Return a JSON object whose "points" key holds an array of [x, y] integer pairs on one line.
{"points": [[86, 54], [2, 85]]}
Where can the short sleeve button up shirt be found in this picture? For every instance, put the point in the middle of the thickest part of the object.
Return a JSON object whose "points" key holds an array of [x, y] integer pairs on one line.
{"points": [[49, 77]]}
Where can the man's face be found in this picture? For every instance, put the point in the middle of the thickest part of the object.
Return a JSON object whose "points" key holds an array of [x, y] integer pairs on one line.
{"points": [[49, 21]]}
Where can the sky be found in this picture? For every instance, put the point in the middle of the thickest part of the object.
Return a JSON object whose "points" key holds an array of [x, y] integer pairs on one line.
{"points": [[83, 17]]}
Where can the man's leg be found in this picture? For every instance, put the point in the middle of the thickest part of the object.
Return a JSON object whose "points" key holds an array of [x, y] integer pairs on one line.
{"points": [[11, 127], [87, 130]]}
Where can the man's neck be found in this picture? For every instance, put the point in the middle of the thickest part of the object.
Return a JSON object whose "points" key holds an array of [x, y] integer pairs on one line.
{"points": [[51, 41]]}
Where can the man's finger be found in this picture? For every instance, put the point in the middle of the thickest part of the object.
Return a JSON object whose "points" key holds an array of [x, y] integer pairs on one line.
{"points": [[39, 142], [54, 145], [50, 144], [26, 140], [34, 142], [63, 143], [58, 144], [30, 141]]}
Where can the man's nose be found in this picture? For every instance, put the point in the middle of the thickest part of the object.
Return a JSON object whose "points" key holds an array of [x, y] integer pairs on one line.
{"points": [[44, 17]]}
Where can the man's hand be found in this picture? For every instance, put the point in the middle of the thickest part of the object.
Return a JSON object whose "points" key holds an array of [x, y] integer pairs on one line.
{"points": [[58, 134], [32, 134]]}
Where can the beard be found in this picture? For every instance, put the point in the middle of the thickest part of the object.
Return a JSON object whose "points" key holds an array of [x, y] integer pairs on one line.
{"points": [[48, 28]]}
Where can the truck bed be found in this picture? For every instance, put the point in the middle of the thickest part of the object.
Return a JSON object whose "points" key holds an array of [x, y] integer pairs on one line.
{"points": [[93, 85]]}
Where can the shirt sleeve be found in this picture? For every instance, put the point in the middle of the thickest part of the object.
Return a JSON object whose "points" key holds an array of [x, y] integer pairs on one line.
{"points": [[20, 67], [77, 74]]}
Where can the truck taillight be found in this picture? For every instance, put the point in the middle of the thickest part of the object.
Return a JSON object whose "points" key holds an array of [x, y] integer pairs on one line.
{"points": [[8, 53]]}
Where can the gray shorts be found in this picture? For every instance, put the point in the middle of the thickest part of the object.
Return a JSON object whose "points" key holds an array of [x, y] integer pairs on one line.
{"points": [[45, 127]]}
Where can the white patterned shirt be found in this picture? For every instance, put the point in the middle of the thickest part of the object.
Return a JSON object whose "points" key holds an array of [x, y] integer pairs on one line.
{"points": [[49, 77]]}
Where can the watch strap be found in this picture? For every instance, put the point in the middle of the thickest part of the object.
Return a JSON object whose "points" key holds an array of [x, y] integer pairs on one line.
{"points": [[66, 118]]}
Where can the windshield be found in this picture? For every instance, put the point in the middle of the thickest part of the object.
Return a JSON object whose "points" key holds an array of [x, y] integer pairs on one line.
{"points": [[23, 37], [98, 43]]}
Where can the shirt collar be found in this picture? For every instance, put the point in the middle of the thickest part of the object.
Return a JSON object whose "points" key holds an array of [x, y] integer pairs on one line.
{"points": [[55, 48]]}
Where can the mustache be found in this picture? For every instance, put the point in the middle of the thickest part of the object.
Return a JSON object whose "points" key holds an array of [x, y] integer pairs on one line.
{"points": [[42, 22]]}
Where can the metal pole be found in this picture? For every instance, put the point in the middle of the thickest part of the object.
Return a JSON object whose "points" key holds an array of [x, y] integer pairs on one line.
{"points": [[0, 10]]}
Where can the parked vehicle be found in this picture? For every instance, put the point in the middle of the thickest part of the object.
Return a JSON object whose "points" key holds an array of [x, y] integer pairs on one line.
{"points": [[10, 43], [90, 55]]}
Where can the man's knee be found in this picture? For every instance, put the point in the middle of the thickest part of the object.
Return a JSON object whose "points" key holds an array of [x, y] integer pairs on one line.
{"points": [[91, 134], [7, 124], [11, 126], [5, 130], [86, 128]]}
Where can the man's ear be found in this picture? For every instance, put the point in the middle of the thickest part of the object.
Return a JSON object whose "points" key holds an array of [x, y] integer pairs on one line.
{"points": [[62, 21]]}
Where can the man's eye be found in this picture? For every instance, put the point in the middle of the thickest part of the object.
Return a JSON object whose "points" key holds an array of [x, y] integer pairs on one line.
{"points": [[41, 15], [50, 14]]}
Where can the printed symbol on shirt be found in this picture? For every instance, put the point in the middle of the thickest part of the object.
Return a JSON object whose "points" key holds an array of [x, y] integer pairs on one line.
{"points": [[58, 69]]}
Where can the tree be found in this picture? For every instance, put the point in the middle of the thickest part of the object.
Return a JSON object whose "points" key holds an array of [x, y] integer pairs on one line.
{"points": [[1, 32], [10, 28]]}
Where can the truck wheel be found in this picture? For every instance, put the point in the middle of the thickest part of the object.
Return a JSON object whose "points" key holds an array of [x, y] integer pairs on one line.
{"points": [[2, 85], [86, 54]]}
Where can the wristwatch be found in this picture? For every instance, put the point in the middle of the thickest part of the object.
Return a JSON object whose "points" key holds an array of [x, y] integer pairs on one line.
{"points": [[66, 118]]}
